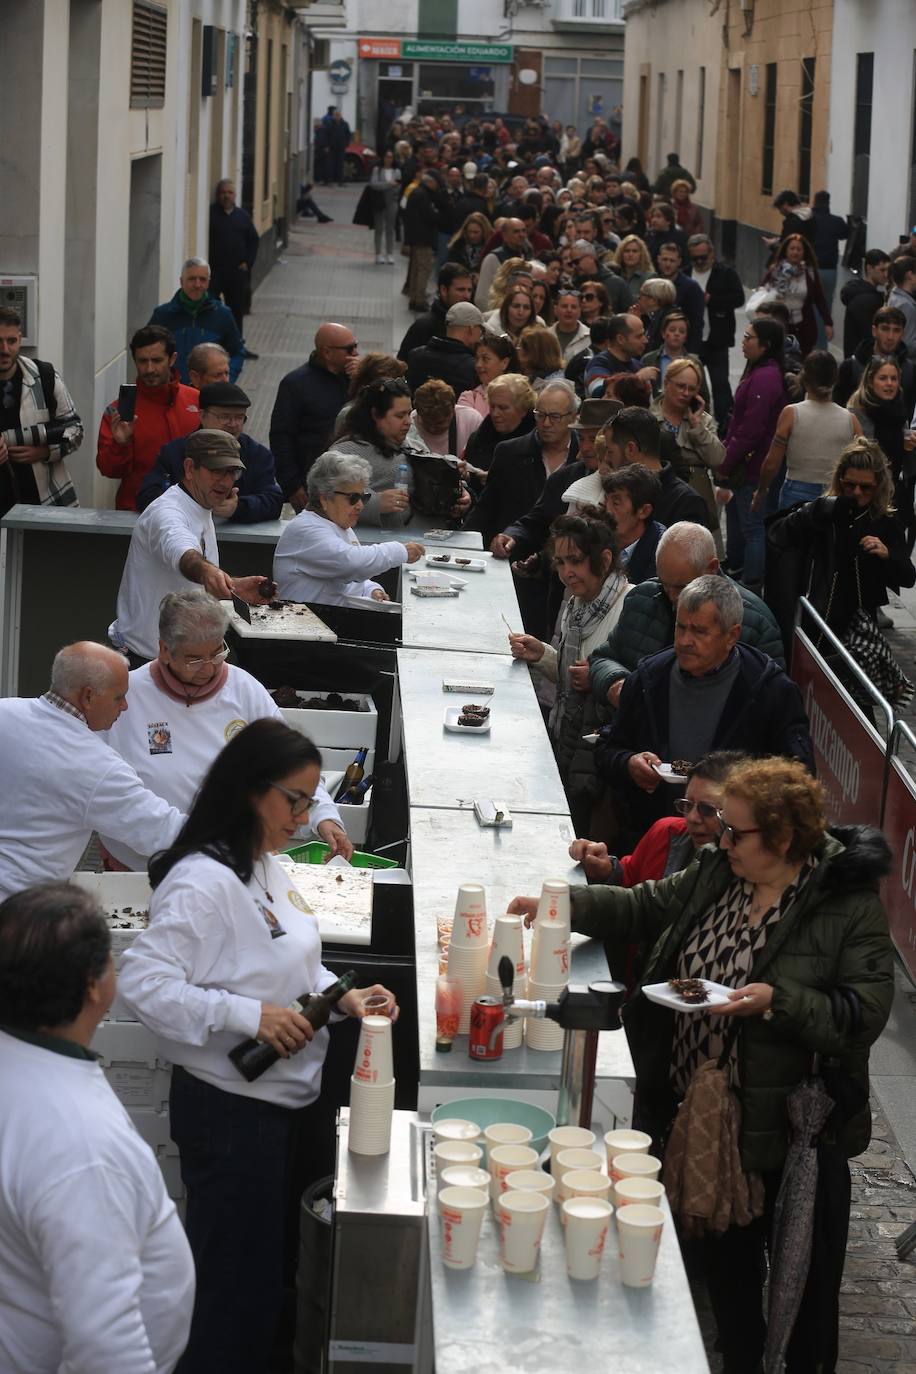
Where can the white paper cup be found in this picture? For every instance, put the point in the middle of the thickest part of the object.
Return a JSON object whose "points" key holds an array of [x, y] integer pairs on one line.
{"points": [[541, 1034], [569, 1138], [469, 929], [455, 1128], [505, 1160], [585, 1225], [446, 1152], [461, 1212], [467, 968], [370, 1101], [554, 905], [549, 961], [374, 1062], [464, 1176], [587, 1183], [649, 1190], [521, 1217], [626, 1142], [639, 1232], [505, 1133], [507, 942], [633, 1166], [531, 1181]]}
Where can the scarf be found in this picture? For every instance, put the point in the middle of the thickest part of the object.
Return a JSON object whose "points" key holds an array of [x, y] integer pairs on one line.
{"points": [[173, 686], [192, 307], [577, 618], [889, 419]]}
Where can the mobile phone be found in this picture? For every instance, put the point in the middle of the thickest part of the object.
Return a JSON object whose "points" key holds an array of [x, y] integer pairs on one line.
{"points": [[127, 402], [695, 403]]}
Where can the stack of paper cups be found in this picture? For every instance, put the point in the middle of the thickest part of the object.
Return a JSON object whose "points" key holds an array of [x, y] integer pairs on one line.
{"points": [[372, 1089], [467, 951], [508, 940], [548, 967]]}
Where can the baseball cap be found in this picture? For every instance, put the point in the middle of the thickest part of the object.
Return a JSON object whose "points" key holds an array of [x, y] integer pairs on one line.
{"points": [[213, 449], [222, 394], [469, 170], [594, 414], [464, 313]]}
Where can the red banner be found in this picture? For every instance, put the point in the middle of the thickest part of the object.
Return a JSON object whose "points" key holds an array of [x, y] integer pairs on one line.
{"points": [[848, 753], [899, 888]]}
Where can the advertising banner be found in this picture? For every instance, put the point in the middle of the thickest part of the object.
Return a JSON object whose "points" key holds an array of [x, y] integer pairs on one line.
{"points": [[899, 888]]}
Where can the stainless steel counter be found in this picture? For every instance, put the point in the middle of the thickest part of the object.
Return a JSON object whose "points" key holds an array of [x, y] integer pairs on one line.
{"points": [[513, 763], [472, 621], [497, 1323], [448, 848]]}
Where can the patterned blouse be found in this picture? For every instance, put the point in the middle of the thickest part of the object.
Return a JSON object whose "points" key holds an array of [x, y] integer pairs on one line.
{"points": [[722, 948]]}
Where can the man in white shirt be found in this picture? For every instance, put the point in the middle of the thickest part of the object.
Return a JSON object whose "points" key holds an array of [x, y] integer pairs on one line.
{"points": [[95, 1270], [185, 706], [174, 544], [60, 782]]}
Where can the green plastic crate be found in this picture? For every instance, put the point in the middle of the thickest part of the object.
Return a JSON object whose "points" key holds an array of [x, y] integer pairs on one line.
{"points": [[314, 852]]}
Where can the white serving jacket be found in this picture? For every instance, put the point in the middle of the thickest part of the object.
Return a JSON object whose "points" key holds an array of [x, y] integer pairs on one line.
{"points": [[315, 560]]}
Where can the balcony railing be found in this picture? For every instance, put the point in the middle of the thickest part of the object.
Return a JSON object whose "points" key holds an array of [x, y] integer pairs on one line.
{"points": [[588, 13]]}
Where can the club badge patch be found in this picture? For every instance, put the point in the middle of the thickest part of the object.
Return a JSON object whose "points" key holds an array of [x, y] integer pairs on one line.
{"points": [[159, 736]]}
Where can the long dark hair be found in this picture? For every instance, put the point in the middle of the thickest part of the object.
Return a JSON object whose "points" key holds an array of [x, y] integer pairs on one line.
{"points": [[380, 396], [771, 334], [222, 822]]}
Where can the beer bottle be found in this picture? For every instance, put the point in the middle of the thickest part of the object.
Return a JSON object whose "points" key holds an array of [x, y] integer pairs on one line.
{"points": [[253, 1057], [353, 775]]}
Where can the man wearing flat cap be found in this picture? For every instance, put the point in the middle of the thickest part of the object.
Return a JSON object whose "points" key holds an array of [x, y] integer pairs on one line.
{"points": [[174, 544], [223, 406]]}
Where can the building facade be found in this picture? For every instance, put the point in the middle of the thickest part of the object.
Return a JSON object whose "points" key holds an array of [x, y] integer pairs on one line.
{"points": [[123, 116]]}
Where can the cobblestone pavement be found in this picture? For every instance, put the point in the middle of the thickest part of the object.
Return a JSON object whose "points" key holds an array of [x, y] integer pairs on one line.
{"points": [[329, 272]]}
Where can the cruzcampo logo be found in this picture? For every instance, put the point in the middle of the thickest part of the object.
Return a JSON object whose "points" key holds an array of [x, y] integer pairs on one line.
{"points": [[420, 51]]}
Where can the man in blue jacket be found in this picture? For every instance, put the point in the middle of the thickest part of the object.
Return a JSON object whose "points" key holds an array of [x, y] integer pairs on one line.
{"points": [[195, 317], [257, 497]]}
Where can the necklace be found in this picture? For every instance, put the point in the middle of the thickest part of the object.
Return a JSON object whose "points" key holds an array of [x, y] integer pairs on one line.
{"points": [[262, 886]]}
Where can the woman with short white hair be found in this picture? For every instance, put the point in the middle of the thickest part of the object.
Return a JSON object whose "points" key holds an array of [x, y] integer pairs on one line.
{"points": [[318, 557]]}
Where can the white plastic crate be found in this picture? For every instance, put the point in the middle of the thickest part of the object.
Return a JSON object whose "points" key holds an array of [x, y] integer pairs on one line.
{"points": [[154, 1128], [139, 1085], [355, 821], [171, 1172], [125, 899], [336, 729], [126, 1042]]}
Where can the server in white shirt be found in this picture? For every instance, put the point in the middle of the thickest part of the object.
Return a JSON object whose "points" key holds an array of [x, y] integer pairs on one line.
{"points": [[95, 1270], [318, 557], [60, 781], [173, 544], [230, 944], [188, 703]]}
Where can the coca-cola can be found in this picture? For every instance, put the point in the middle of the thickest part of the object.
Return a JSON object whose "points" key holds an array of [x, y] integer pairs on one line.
{"points": [[486, 1016]]}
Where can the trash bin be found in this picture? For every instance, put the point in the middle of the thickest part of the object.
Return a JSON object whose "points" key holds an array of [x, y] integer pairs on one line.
{"points": [[313, 1277]]}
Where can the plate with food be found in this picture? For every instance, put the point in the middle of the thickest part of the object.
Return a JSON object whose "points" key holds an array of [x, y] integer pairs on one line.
{"points": [[470, 719], [688, 994], [674, 772], [455, 562]]}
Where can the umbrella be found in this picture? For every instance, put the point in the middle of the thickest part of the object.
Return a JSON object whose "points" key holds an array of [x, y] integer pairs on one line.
{"points": [[809, 1106]]}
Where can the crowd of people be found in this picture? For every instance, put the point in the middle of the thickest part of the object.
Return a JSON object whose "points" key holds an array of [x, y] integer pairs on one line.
{"points": [[565, 392]]}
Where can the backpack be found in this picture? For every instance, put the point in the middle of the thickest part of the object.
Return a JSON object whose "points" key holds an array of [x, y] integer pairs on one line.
{"points": [[436, 484]]}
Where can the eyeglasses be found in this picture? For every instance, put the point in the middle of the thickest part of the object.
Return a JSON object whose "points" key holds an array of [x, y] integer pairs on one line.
{"points": [[346, 348], [299, 803], [699, 258], [354, 497], [683, 806], [589, 296], [554, 416], [850, 485], [732, 833], [216, 659]]}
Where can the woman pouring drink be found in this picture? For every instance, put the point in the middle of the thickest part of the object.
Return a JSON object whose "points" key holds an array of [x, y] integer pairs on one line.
{"points": [[230, 944]]}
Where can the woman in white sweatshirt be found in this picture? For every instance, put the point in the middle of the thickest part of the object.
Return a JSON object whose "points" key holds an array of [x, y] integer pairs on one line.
{"points": [[318, 556], [230, 944]]}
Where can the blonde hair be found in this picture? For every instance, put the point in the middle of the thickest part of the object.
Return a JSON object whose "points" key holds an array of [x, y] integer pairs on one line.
{"points": [[645, 262], [866, 456], [519, 388], [679, 365], [500, 284], [475, 217]]}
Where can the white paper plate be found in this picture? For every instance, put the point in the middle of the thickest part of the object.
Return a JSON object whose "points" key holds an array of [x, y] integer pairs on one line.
{"points": [[590, 739], [666, 774], [433, 579], [455, 562], [450, 721], [667, 997]]}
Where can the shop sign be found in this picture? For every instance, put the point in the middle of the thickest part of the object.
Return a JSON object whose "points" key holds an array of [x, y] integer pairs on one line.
{"points": [[848, 753], [385, 48], [899, 888], [420, 51]]}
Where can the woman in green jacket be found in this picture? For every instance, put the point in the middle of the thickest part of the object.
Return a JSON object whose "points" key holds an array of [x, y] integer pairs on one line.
{"points": [[785, 914]]}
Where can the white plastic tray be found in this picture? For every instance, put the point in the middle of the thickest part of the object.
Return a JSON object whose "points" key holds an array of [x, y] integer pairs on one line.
{"points": [[450, 721], [667, 997]]}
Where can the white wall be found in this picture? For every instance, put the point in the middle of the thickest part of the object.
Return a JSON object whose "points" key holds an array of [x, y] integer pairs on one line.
{"points": [[888, 29]]}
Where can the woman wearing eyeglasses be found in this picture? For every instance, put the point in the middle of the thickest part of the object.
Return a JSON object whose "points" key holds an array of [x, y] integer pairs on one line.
{"points": [[185, 704], [318, 556], [785, 913], [230, 944]]}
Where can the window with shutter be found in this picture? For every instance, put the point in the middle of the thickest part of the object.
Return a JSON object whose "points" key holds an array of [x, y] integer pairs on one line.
{"points": [[147, 56]]}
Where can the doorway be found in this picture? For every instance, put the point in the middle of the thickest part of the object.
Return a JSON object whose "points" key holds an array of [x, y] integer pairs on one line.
{"points": [[394, 93], [143, 240]]}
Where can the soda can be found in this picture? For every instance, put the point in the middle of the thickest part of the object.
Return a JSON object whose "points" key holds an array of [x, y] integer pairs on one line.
{"points": [[486, 1015]]}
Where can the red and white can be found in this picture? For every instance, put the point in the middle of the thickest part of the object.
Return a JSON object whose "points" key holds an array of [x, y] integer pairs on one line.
{"points": [[486, 1015]]}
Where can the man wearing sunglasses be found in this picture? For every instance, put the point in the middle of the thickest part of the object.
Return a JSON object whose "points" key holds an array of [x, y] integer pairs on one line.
{"points": [[308, 403], [184, 707]]}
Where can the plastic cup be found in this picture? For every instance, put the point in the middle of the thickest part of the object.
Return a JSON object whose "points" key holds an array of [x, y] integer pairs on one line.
{"points": [[374, 1062], [649, 1190], [633, 1166], [521, 1217], [469, 928], [505, 1160], [378, 1005], [448, 1152], [569, 1138], [461, 1213], [541, 1034], [587, 1183], [505, 1133], [455, 1128], [507, 942], [464, 1176], [586, 1221], [531, 1181], [626, 1142], [639, 1231], [554, 905]]}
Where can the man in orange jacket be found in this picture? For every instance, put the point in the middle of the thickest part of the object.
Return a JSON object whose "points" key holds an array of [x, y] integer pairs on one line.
{"points": [[165, 410]]}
